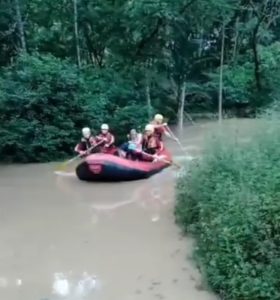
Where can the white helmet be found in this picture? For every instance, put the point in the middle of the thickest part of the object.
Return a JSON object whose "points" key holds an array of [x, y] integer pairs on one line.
{"points": [[86, 132], [104, 127], [158, 117], [149, 127], [133, 132]]}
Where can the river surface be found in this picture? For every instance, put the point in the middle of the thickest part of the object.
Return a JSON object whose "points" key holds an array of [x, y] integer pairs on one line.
{"points": [[66, 239]]}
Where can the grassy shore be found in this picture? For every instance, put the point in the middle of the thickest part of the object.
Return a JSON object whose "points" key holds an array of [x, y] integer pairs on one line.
{"points": [[230, 201]]}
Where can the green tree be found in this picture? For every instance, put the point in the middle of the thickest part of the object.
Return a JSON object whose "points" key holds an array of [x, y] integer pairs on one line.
{"points": [[44, 103]]}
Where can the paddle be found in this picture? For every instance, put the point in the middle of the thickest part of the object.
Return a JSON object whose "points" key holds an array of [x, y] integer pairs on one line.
{"points": [[189, 157], [173, 135], [162, 159], [175, 138], [64, 164]]}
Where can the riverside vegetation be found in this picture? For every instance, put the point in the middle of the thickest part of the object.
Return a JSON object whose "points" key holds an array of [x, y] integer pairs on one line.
{"points": [[229, 201]]}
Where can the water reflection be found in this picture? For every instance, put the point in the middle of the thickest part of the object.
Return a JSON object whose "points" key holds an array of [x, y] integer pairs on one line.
{"points": [[5, 283], [61, 285], [149, 195], [64, 286], [67, 287]]}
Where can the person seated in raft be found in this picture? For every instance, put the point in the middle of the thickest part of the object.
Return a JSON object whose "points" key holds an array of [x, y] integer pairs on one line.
{"points": [[87, 143], [106, 141], [152, 146], [160, 127], [132, 149]]}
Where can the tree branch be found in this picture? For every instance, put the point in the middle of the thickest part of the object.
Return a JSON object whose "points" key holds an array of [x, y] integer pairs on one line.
{"points": [[8, 32], [186, 6], [160, 24]]}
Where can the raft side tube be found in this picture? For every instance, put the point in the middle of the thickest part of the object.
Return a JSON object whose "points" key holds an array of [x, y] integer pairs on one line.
{"points": [[106, 167], [109, 173]]}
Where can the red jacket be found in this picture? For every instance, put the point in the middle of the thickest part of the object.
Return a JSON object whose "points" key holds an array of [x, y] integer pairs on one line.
{"points": [[151, 145], [107, 146], [159, 130], [107, 138], [85, 144]]}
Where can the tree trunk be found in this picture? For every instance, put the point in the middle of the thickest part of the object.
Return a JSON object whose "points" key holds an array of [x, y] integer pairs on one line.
{"points": [[20, 25], [221, 75], [148, 99], [77, 33], [234, 54], [256, 57], [200, 49], [181, 106], [261, 18]]}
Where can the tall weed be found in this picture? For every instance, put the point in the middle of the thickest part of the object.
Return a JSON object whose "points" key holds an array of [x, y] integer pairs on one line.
{"points": [[230, 200]]}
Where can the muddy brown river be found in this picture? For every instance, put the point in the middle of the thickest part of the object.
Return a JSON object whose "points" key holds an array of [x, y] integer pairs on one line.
{"points": [[65, 239]]}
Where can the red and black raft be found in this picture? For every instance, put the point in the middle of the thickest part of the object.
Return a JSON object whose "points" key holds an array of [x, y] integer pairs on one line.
{"points": [[106, 167]]}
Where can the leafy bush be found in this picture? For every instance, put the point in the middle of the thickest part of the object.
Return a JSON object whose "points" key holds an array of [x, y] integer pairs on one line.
{"points": [[238, 82], [44, 102], [230, 201]]}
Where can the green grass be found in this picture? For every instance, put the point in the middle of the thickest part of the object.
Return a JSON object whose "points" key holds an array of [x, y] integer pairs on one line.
{"points": [[230, 201]]}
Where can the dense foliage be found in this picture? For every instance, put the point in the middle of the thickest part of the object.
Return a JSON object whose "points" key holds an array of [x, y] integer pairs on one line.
{"points": [[43, 106], [44, 103], [230, 201], [160, 55]]}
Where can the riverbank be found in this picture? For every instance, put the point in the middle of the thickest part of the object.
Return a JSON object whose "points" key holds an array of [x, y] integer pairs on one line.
{"points": [[229, 202]]}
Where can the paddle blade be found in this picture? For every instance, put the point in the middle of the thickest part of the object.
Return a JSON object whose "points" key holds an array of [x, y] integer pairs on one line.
{"points": [[62, 166], [172, 163], [64, 174], [177, 166]]}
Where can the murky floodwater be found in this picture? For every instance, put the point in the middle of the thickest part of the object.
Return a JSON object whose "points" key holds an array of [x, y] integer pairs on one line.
{"points": [[122, 235]]}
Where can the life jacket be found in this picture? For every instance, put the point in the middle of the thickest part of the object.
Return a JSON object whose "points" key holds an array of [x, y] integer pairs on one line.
{"points": [[86, 143], [109, 140], [151, 144], [107, 137], [158, 131]]}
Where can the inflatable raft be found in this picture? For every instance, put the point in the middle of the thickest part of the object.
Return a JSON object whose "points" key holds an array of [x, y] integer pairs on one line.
{"points": [[106, 167]]}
